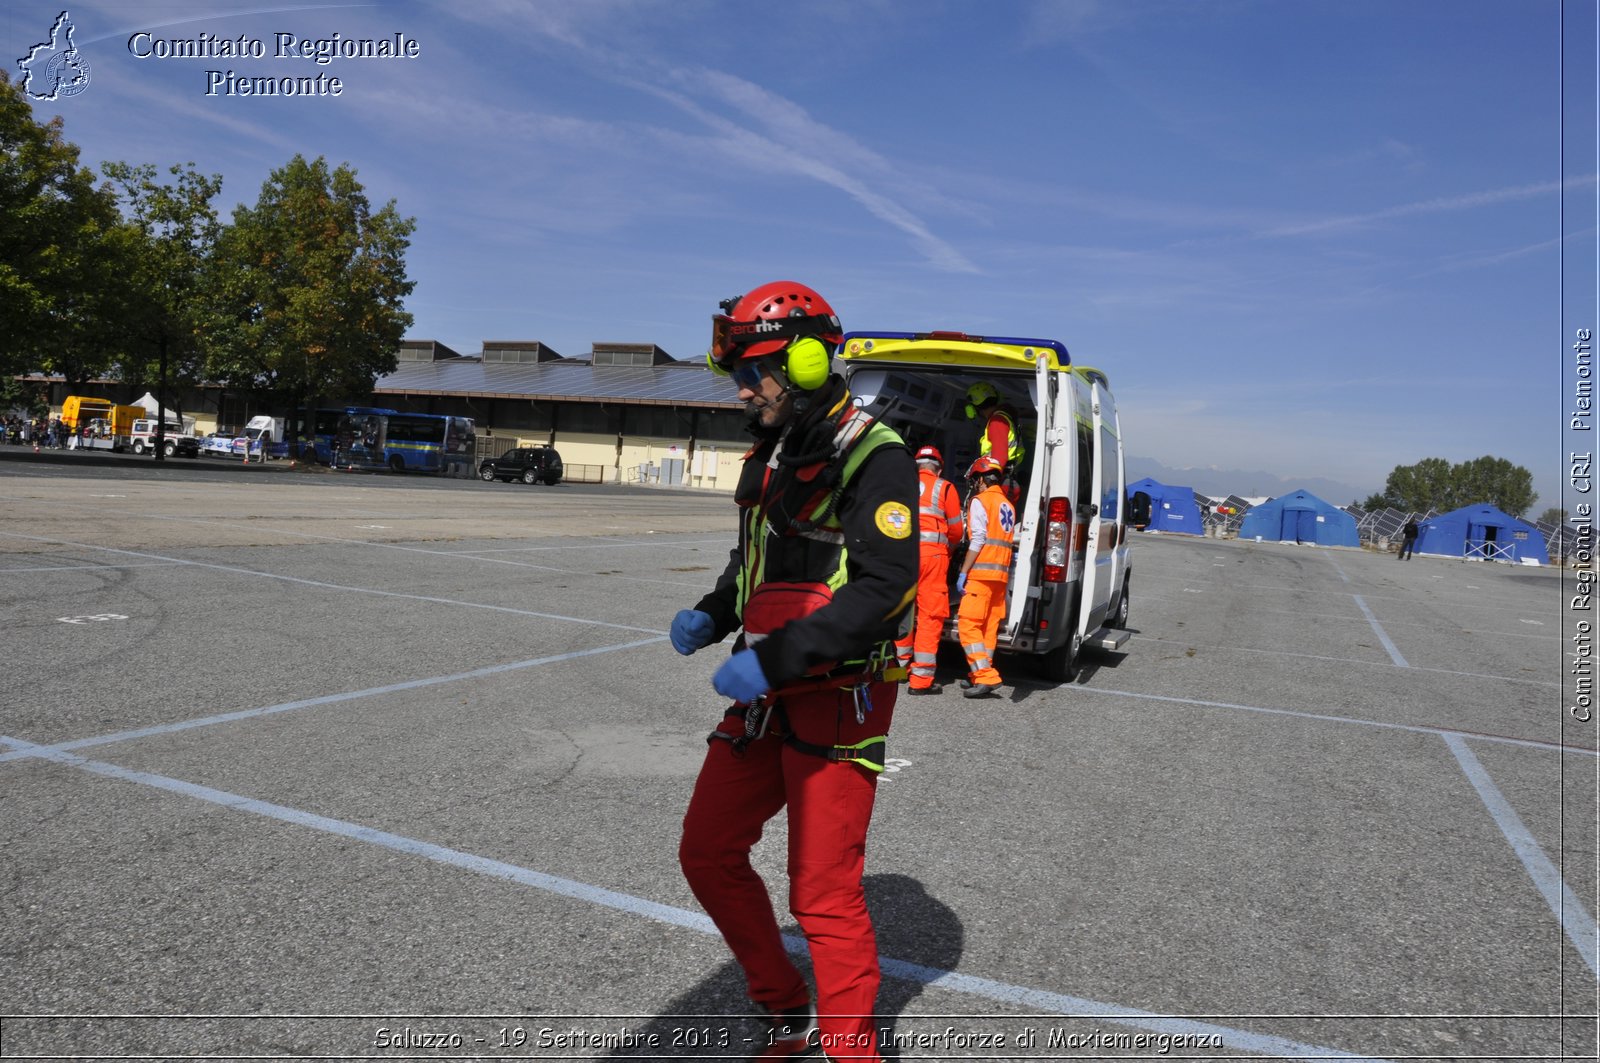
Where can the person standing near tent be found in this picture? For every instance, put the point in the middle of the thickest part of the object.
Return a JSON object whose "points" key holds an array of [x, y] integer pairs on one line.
{"points": [[985, 574], [940, 528], [1408, 541]]}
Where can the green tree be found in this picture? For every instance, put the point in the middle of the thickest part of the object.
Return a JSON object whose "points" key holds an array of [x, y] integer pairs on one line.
{"points": [[1553, 515], [60, 275], [1420, 487], [169, 240], [312, 282], [1494, 480], [1433, 483]]}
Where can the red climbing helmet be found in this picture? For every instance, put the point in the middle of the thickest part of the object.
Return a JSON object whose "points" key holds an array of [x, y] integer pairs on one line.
{"points": [[768, 319]]}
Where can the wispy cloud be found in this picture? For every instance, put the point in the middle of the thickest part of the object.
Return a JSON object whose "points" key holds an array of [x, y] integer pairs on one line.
{"points": [[1444, 204], [793, 141], [1482, 260], [752, 127]]}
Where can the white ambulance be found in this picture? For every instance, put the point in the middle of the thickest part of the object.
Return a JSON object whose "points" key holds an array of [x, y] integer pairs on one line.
{"points": [[1070, 585]]}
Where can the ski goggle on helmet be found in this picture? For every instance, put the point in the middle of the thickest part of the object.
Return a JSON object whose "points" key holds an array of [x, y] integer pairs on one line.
{"points": [[779, 317]]}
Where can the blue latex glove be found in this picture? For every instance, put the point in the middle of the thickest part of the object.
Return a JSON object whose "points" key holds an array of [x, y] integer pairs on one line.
{"points": [[741, 678], [961, 583], [691, 630]]}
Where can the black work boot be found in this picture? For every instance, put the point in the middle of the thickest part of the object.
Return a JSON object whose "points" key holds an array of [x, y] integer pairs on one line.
{"points": [[791, 1034]]}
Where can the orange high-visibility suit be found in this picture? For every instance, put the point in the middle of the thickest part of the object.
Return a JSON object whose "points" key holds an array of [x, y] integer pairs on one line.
{"points": [[991, 525], [941, 526]]}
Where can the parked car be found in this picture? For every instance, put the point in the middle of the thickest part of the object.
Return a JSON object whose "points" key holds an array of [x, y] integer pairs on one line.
{"points": [[528, 464], [178, 442], [218, 444]]}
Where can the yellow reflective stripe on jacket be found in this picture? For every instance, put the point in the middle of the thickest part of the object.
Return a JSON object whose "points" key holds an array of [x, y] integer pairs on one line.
{"points": [[757, 530], [1013, 445]]}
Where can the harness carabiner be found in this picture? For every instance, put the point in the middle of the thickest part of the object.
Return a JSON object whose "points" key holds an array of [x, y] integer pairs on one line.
{"points": [[757, 719], [863, 701]]}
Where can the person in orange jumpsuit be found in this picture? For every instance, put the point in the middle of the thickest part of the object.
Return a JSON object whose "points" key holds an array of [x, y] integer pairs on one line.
{"points": [[985, 574], [940, 529]]}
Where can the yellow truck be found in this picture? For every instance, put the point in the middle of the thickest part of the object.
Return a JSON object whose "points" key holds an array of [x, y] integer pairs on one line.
{"points": [[100, 424]]}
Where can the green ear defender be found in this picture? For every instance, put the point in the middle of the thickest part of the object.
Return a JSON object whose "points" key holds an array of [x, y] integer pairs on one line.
{"points": [[806, 363], [972, 411]]}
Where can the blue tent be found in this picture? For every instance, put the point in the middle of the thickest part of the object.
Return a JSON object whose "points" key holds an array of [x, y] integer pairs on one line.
{"points": [[1481, 531], [1172, 509], [1300, 517]]}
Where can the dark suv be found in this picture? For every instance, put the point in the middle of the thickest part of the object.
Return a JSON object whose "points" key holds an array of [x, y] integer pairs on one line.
{"points": [[528, 464]]}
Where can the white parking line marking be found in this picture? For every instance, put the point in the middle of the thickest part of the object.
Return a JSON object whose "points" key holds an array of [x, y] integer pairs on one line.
{"points": [[1569, 911], [1045, 1000], [326, 699], [332, 586], [1383, 636], [1330, 718]]}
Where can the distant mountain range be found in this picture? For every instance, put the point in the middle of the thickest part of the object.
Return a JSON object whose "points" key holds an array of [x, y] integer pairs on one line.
{"points": [[1219, 483]]}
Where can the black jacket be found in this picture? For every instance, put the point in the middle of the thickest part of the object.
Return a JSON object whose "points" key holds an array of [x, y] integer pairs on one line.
{"points": [[881, 567]]}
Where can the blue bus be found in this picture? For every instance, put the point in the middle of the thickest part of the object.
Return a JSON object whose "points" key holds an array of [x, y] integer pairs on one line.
{"points": [[376, 438]]}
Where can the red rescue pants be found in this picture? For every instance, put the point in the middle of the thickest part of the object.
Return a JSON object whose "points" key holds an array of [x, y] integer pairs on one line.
{"points": [[983, 606], [830, 805], [919, 651]]}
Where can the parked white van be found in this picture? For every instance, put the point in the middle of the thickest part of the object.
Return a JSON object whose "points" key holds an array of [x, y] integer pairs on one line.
{"points": [[1070, 584]]}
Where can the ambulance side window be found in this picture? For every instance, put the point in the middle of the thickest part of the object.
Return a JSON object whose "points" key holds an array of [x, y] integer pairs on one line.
{"points": [[1084, 495], [1111, 491]]}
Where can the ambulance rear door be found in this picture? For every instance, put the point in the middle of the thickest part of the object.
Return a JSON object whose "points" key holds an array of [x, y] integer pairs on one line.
{"points": [[1099, 561], [1025, 574]]}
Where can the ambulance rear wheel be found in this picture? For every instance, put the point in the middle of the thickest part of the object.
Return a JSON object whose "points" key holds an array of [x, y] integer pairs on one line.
{"points": [[1061, 663]]}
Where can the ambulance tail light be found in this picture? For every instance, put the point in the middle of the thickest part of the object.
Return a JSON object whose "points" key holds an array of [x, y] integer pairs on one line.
{"points": [[1057, 540]]}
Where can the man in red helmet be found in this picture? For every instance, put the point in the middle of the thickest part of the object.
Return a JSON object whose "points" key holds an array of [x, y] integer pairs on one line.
{"points": [[824, 568], [985, 574], [940, 527]]}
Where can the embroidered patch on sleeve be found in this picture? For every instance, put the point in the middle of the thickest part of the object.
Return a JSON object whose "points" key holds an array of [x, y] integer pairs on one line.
{"points": [[894, 520]]}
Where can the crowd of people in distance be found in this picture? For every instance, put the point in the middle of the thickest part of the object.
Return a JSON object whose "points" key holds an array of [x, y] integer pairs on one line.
{"points": [[28, 431]]}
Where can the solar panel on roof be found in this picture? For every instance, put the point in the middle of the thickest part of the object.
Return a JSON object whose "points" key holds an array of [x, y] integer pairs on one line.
{"points": [[576, 381]]}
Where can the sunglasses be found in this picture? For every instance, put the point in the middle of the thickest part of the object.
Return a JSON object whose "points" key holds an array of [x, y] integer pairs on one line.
{"points": [[747, 374]]}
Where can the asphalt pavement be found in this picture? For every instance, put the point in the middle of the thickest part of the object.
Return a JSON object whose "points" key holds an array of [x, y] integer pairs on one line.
{"points": [[299, 763]]}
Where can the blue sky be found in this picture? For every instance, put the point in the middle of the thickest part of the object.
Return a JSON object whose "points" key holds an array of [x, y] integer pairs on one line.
{"points": [[1317, 239]]}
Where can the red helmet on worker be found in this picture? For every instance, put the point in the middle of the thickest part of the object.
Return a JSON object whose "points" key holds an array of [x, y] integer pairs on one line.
{"points": [[931, 454], [984, 466], [768, 319]]}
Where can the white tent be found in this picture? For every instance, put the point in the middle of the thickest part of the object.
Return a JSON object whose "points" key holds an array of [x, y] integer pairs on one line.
{"points": [[154, 409]]}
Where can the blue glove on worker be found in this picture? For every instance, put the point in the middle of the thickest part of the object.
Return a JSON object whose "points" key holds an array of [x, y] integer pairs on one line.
{"points": [[741, 678], [961, 583], [691, 630]]}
